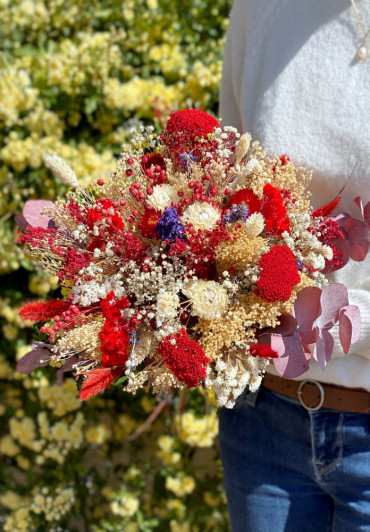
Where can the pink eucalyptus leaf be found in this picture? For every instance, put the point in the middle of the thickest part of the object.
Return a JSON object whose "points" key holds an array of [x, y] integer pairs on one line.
{"points": [[307, 308], [333, 298], [32, 210], [323, 348], [34, 359], [349, 326], [340, 218], [358, 237], [342, 247], [293, 358], [367, 213], [288, 324], [21, 221], [359, 204], [67, 366]]}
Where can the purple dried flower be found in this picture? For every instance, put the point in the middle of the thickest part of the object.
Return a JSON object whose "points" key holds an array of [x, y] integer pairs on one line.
{"points": [[238, 213], [169, 226]]}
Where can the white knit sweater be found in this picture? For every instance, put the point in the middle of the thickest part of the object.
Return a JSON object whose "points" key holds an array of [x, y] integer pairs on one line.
{"points": [[291, 80]]}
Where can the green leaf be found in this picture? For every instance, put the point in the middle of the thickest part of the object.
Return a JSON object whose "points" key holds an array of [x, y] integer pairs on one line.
{"points": [[90, 105], [121, 380]]}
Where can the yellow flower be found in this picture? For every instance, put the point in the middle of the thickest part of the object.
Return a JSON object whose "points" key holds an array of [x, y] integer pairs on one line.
{"points": [[23, 462], [8, 446], [210, 499], [22, 350], [6, 371], [176, 526], [59, 431], [10, 332], [147, 404], [127, 506], [165, 443], [11, 500], [126, 425], [98, 434], [197, 432], [180, 486]]}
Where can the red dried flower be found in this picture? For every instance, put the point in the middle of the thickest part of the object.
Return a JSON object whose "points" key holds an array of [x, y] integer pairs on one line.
{"points": [[247, 196], [98, 380], [73, 260], [43, 310], [114, 336], [183, 127], [279, 274], [192, 122], [263, 351], [327, 209], [149, 221], [155, 159], [199, 250], [274, 211], [186, 359]]}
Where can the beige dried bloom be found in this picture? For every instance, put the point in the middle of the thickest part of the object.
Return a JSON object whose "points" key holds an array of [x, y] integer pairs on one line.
{"points": [[243, 146], [167, 303], [84, 339], [241, 250], [163, 196], [61, 169], [201, 215], [254, 225], [209, 299]]}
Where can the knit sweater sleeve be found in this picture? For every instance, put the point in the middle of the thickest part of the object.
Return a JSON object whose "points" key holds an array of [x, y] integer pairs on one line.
{"points": [[359, 296], [234, 56]]}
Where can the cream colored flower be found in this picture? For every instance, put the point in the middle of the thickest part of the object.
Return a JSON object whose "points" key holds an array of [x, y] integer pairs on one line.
{"points": [[243, 146], [201, 215], [127, 506], [316, 261], [180, 486], [327, 252], [252, 165], [61, 169], [167, 303], [254, 225], [209, 299], [163, 196]]}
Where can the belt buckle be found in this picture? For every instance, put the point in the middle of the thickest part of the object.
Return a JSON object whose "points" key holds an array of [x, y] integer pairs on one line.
{"points": [[322, 395]]}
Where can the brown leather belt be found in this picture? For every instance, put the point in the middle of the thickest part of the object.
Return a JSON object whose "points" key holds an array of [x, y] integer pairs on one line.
{"points": [[314, 395]]}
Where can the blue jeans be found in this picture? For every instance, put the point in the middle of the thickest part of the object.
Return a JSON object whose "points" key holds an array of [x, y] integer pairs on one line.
{"points": [[290, 470]]}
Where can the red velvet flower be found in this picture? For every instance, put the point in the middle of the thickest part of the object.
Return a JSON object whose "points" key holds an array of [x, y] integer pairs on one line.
{"points": [[114, 336], [263, 351], [274, 211], [191, 121], [247, 196], [155, 159], [279, 274], [186, 359], [182, 129], [149, 221]]}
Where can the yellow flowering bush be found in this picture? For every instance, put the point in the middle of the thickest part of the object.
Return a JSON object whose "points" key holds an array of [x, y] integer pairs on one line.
{"points": [[76, 79]]}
